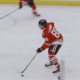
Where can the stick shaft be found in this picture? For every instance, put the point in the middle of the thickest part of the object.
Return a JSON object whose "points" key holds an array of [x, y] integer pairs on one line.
{"points": [[28, 64], [9, 13]]}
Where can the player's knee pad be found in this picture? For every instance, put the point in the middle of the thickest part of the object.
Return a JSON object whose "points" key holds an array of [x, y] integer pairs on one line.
{"points": [[30, 3]]}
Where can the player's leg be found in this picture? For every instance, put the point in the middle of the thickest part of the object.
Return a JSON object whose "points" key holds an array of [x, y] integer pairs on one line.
{"points": [[53, 49], [33, 6], [57, 67], [56, 64], [52, 58]]}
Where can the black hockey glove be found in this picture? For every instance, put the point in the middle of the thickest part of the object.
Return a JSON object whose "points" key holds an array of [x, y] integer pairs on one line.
{"points": [[39, 50], [20, 6]]}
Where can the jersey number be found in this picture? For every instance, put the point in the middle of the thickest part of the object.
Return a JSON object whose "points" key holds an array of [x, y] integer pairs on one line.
{"points": [[54, 31]]}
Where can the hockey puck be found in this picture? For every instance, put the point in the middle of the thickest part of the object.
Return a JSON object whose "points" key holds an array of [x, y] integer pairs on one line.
{"points": [[22, 75]]}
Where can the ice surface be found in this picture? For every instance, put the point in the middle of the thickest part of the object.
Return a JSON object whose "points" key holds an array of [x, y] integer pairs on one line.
{"points": [[20, 36]]}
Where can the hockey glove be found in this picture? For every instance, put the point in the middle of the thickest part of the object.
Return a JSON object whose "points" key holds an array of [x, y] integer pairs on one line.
{"points": [[20, 6], [39, 50]]}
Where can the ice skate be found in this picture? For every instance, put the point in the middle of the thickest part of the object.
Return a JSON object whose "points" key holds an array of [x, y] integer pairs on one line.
{"points": [[37, 15], [57, 69], [48, 64]]}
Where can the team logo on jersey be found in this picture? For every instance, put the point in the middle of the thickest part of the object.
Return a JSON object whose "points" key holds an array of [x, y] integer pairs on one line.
{"points": [[43, 33]]}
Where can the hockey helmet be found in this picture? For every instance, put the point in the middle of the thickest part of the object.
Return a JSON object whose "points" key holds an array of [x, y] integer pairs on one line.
{"points": [[42, 23]]}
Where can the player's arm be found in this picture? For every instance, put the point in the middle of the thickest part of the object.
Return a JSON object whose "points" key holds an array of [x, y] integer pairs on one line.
{"points": [[20, 4], [44, 46]]}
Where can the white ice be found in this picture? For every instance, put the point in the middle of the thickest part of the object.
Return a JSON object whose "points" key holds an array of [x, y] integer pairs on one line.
{"points": [[20, 36]]}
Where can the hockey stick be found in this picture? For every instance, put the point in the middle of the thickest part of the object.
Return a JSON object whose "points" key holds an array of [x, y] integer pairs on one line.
{"points": [[9, 13], [28, 64]]}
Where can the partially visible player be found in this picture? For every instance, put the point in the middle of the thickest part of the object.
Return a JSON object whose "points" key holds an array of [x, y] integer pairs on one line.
{"points": [[53, 41], [31, 4]]}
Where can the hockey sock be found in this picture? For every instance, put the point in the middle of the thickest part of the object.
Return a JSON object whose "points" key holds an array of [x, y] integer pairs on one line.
{"points": [[34, 9], [53, 59]]}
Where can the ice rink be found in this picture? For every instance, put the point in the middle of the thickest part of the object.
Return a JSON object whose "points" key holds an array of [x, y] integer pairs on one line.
{"points": [[20, 36]]}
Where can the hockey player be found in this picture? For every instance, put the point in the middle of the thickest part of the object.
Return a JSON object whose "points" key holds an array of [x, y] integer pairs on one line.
{"points": [[31, 4], [53, 41]]}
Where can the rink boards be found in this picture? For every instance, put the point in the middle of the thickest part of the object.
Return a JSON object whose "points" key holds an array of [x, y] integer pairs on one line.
{"points": [[46, 2]]}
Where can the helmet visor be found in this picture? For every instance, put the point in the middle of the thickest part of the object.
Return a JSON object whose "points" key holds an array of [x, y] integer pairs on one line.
{"points": [[41, 27]]}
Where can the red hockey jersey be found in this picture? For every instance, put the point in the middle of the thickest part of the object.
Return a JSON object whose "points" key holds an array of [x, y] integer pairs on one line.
{"points": [[50, 34]]}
